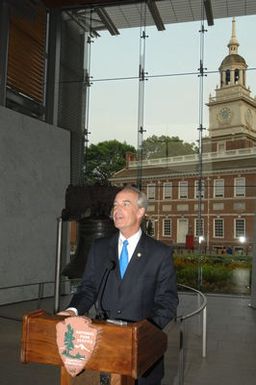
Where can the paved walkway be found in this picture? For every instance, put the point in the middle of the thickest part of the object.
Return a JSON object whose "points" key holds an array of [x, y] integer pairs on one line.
{"points": [[231, 345]]}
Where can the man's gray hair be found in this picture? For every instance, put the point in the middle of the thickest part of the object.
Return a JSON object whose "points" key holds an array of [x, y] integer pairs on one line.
{"points": [[142, 200]]}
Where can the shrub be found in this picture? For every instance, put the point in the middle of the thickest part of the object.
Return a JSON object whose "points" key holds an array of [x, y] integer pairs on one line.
{"points": [[217, 273]]}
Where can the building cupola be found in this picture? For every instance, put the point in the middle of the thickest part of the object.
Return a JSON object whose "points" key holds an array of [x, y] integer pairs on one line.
{"points": [[232, 111], [233, 67]]}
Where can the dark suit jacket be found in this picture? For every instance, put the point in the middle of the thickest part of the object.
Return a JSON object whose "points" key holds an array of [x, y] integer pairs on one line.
{"points": [[147, 290]]}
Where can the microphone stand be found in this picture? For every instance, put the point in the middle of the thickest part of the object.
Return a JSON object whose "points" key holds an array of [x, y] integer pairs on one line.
{"points": [[100, 311]]}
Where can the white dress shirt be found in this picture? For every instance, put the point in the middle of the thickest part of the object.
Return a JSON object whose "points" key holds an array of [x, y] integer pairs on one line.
{"points": [[132, 243]]}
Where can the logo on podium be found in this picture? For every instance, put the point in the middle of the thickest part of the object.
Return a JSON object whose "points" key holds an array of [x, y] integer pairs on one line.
{"points": [[76, 341]]}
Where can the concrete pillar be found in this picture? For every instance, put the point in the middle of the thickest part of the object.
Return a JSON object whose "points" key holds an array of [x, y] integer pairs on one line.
{"points": [[232, 77], [223, 78]]}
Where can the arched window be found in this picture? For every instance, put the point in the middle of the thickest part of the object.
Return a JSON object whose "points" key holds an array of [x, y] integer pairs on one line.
{"points": [[227, 76], [236, 75]]}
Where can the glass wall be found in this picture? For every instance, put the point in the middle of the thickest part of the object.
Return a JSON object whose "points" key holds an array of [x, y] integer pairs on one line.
{"points": [[202, 204]]}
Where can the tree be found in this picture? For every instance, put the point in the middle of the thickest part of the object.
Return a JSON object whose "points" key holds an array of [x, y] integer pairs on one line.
{"points": [[166, 146], [104, 159], [68, 340]]}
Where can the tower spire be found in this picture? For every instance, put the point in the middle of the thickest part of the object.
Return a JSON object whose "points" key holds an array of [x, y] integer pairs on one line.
{"points": [[233, 42]]}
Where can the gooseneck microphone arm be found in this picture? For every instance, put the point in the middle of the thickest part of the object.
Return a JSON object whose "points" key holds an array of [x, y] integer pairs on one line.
{"points": [[100, 311]]}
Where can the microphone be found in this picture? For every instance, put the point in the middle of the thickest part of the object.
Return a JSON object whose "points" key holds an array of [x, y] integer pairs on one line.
{"points": [[101, 312]]}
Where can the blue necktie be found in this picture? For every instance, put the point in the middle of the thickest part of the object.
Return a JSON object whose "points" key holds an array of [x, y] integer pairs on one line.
{"points": [[124, 258]]}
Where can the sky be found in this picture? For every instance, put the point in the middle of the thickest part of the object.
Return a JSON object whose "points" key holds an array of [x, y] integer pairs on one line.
{"points": [[171, 93]]}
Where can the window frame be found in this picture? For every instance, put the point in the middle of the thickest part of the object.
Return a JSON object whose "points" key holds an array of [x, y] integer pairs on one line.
{"points": [[151, 195], [196, 190], [236, 236], [153, 228], [165, 220], [214, 228], [221, 146], [185, 186], [237, 186], [196, 227], [167, 186], [215, 188]]}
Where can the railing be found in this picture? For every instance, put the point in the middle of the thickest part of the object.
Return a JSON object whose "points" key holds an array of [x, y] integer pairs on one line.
{"points": [[40, 291], [194, 157], [202, 301]]}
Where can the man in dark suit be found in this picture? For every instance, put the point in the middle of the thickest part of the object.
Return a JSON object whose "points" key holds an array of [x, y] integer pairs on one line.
{"points": [[145, 289]]}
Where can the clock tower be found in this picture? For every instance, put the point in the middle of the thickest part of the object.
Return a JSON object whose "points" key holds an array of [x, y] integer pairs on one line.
{"points": [[232, 111]]}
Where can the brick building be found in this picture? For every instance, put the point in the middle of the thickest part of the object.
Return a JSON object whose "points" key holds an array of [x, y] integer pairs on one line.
{"points": [[216, 206]]}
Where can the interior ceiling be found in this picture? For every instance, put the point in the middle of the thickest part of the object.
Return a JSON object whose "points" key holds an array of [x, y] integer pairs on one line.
{"points": [[113, 15]]}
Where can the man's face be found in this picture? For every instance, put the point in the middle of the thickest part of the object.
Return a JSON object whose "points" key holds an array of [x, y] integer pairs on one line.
{"points": [[126, 213]]}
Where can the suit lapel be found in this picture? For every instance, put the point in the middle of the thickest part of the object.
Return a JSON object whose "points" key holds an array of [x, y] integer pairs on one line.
{"points": [[113, 253]]}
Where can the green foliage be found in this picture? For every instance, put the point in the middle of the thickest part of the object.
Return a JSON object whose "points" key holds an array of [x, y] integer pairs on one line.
{"points": [[166, 146], [68, 342], [216, 272], [187, 275], [104, 159], [69, 338]]}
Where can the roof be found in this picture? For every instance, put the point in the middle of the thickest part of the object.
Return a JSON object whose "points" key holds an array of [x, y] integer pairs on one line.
{"points": [[114, 15], [232, 60]]}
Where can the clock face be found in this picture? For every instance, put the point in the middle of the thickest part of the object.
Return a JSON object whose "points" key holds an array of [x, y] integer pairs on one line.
{"points": [[225, 115]]}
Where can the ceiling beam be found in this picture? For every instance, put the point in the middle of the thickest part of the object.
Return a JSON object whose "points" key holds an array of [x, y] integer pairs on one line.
{"points": [[155, 15], [107, 21], [208, 12], [81, 21]]}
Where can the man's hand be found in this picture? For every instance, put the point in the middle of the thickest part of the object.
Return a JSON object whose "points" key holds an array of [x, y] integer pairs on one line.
{"points": [[69, 313]]}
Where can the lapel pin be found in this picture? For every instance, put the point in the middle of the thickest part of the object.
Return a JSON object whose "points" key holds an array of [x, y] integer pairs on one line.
{"points": [[138, 255]]}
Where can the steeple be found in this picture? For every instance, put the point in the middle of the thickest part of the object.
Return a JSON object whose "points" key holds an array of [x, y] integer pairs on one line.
{"points": [[233, 43], [233, 66], [232, 111]]}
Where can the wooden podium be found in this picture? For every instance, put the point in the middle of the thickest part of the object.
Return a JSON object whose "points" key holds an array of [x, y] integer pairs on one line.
{"points": [[124, 351]]}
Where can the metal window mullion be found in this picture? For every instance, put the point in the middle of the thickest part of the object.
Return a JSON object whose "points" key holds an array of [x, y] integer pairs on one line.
{"points": [[4, 44], [53, 70]]}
